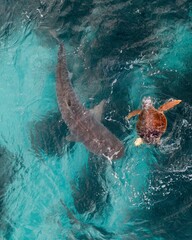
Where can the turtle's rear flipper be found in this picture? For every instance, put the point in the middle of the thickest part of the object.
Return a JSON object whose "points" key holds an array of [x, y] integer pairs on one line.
{"points": [[138, 142], [168, 105], [132, 114]]}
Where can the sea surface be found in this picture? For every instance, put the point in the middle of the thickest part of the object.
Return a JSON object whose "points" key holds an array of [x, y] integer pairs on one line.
{"points": [[120, 51]]}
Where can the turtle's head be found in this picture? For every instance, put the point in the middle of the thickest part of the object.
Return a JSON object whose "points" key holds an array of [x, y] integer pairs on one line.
{"points": [[147, 103]]}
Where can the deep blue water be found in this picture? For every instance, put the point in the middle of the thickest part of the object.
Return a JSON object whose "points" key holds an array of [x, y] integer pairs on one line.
{"points": [[117, 50]]}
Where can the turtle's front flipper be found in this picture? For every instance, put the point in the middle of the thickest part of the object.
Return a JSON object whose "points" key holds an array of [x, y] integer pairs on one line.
{"points": [[138, 142], [166, 106], [132, 114]]}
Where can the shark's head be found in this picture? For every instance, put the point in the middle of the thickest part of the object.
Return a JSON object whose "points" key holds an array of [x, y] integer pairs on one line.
{"points": [[147, 103], [114, 151]]}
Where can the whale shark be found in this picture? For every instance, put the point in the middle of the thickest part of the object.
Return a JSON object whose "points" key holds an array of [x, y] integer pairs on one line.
{"points": [[83, 124]]}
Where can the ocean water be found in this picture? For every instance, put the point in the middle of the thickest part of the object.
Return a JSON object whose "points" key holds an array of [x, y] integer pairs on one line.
{"points": [[117, 50]]}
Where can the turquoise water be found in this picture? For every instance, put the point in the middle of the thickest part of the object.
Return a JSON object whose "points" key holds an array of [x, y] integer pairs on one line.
{"points": [[117, 50]]}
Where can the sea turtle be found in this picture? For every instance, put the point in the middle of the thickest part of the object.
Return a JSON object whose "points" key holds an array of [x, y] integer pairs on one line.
{"points": [[152, 122]]}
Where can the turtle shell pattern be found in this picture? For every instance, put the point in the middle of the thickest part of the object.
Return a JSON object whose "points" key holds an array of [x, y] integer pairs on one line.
{"points": [[151, 125]]}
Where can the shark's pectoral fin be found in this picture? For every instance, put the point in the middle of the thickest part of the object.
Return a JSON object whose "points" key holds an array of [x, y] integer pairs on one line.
{"points": [[97, 111], [138, 142], [72, 138]]}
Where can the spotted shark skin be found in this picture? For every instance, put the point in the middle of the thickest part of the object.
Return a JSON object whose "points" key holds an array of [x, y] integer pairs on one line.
{"points": [[82, 124]]}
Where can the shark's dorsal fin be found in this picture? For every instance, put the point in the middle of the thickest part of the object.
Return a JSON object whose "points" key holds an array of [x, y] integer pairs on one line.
{"points": [[97, 111]]}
